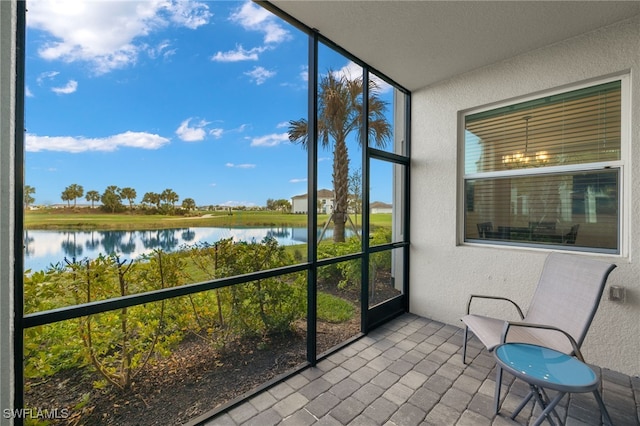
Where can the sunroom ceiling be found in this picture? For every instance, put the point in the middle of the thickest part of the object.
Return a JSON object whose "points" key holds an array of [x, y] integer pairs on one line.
{"points": [[419, 43]]}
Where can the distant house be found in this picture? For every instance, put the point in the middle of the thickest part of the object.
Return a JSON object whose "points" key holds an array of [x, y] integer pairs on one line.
{"points": [[299, 203], [380, 207]]}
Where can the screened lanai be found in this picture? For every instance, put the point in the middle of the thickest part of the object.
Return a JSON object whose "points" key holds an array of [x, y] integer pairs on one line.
{"points": [[433, 65]]}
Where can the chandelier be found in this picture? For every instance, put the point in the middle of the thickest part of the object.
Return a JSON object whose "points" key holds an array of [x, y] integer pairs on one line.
{"points": [[519, 159]]}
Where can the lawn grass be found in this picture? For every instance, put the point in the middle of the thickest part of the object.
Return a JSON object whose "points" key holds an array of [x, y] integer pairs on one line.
{"points": [[84, 218], [91, 219], [334, 309]]}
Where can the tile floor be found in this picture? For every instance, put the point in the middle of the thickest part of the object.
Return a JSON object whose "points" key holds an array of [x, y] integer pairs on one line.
{"points": [[410, 372]]}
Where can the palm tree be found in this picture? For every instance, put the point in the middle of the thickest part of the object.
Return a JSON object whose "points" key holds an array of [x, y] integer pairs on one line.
{"points": [[73, 192], [67, 196], [152, 198], [189, 204], [111, 199], [129, 194], [93, 196], [169, 196], [28, 192], [339, 113]]}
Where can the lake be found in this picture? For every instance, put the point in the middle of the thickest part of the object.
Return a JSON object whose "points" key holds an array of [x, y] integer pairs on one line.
{"points": [[44, 248]]}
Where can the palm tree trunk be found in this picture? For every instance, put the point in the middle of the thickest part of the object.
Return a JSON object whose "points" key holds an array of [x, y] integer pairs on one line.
{"points": [[340, 189]]}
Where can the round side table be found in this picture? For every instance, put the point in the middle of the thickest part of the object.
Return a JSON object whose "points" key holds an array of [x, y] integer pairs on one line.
{"points": [[545, 368]]}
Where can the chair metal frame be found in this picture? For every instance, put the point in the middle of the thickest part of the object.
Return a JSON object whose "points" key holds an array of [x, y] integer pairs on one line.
{"points": [[547, 332]]}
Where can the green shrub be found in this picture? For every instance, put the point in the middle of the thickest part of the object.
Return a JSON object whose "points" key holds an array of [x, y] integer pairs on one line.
{"points": [[348, 274]]}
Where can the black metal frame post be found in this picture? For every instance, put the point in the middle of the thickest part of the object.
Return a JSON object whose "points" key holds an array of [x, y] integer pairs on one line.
{"points": [[312, 199]]}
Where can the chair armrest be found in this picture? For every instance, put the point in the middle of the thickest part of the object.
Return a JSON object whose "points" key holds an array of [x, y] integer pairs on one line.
{"points": [[479, 296], [574, 344]]}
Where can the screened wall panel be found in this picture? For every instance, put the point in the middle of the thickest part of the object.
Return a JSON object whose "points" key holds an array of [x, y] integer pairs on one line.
{"points": [[248, 262]]}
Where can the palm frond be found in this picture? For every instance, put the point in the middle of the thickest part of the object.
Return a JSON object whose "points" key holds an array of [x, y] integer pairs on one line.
{"points": [[298, 132]]}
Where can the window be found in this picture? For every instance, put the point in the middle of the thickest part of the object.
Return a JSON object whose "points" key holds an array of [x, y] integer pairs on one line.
{"points": [[547, 172]]}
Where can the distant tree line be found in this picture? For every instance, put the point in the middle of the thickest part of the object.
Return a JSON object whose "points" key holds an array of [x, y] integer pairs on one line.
{"points": [[113, 200], [281, 205]]}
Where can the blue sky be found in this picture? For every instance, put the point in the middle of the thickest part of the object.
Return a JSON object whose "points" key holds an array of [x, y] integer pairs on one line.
{"points": [[192, 95]]}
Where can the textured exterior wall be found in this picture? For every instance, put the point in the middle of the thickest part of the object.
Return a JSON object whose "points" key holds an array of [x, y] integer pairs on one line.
{"points": [[443, 271], [7, 158]]}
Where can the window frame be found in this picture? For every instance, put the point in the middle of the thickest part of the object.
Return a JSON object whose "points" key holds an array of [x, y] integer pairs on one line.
{"points": [[622, 165]]}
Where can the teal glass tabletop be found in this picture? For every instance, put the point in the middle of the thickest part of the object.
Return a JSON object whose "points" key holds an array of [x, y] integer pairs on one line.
{"points": [[545, 366]]}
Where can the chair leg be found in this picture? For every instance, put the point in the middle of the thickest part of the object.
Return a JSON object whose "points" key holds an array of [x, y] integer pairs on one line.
{"points": [[546, 413], [464, 345], [524, 402], [603, 409], [496, 402], [547, 399]]}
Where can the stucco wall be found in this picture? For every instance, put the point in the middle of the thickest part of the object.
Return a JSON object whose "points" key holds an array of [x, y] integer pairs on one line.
{"points": [[7, 158], [443, 271]]}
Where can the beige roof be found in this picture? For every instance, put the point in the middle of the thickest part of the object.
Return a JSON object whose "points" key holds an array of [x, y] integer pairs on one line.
{"points": [[322, 193], [380, 204]]}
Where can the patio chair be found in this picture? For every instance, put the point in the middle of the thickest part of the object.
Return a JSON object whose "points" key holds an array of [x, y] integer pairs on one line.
{"points": [[484, 228], [560, 313], [570, 237]]}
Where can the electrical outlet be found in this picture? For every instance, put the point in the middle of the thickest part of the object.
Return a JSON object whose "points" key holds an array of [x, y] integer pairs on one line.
{"points": [[617, 293]]}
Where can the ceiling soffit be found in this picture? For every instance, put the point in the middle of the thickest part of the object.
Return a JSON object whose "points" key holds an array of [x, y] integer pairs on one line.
{"points": [[419, 43]]}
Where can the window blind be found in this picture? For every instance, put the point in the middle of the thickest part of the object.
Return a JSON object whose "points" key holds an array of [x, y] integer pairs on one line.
{"points": [[577, 127], [577, 209]]}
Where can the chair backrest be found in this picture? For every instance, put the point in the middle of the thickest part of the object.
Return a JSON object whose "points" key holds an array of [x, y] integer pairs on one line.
{"points": [[568, 293], [570, 237], [483, 228], [546, 226]]}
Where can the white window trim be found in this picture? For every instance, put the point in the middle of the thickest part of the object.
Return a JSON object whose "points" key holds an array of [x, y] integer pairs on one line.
{"points": [[624, 201]]}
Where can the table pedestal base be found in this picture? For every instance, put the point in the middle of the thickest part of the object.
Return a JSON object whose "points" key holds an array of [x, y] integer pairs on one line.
{"points": [[544, 368], [548, 405]]}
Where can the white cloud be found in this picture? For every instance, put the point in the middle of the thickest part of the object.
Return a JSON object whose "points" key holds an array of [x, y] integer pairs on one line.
{"points": [[353, 70], [260, 74], [107, 34], [70, 87], [45, 76], [282, 125], [240, 54], [216, 133], [232, 203], [304, 74], [350, 71], [296, 180], [194, 133], [273, 139], [256, 18], [161, 50], [28, 93], [241, 166], [74, 144], [190, 14]]}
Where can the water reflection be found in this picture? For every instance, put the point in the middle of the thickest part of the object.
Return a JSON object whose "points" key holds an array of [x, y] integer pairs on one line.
{"points": [[280, 233], [45, 248], [70, 247], [164, 239]]}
